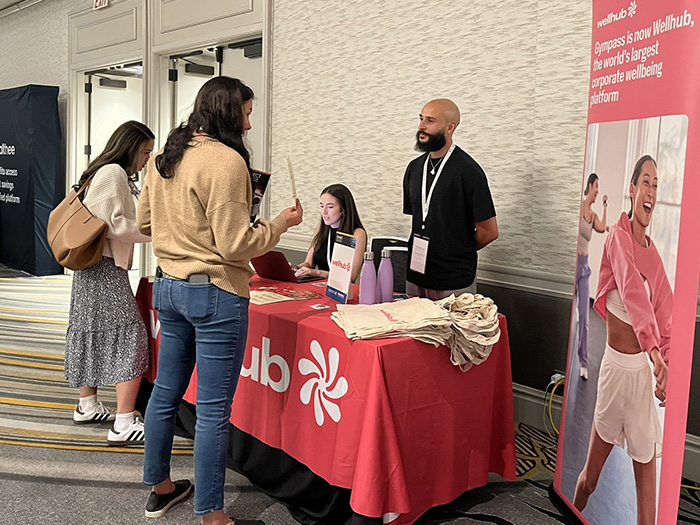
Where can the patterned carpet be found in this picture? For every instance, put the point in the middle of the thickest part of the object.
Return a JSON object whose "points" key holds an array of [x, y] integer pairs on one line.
{"points": [[36, 408], [36, 403]]}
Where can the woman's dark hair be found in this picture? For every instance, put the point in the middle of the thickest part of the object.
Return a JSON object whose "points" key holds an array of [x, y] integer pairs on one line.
{"points": [[591, 179], [218, 112], [122, 148], [636, 172], [350, 220]]}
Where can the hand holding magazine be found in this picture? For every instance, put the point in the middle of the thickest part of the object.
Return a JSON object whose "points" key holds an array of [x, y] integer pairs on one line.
{"points": [[258, 181]]}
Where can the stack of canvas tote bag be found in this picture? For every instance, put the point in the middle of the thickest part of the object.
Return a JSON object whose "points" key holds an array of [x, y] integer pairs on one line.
{"points": [[75, 235]]}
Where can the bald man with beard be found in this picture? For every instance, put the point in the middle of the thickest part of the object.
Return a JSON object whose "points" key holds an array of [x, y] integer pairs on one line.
{"points": [[447, 195]]}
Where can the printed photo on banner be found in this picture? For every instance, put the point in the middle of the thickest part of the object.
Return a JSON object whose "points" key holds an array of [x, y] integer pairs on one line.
{"points": [[620, 331]]}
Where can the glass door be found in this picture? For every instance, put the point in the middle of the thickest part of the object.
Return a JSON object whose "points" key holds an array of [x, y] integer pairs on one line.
{"points": [[244, 62], [189, 71], [114, 95]]}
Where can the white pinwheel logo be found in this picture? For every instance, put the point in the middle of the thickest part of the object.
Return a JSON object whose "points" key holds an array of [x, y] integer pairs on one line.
{"points": [[322, 386]]}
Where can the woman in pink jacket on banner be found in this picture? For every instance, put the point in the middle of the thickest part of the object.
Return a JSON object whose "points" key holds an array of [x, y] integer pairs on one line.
{"points": [[635, 299]]}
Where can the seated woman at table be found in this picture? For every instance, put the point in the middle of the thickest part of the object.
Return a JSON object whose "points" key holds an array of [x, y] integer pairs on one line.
{"points": [[338, 214]]}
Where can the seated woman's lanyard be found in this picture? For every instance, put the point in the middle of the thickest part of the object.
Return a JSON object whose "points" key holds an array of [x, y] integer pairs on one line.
{"points": [[328, 248], [419, 254]]}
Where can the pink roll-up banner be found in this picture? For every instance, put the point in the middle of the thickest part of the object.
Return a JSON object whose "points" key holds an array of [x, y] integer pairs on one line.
{"points": [[620, 455]]}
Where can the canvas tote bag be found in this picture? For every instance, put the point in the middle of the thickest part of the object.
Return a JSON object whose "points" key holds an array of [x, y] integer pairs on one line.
{"points": [[75, 235]]}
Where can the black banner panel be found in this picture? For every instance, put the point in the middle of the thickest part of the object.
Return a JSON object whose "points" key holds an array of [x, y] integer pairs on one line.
{"points": [[32, 175]]}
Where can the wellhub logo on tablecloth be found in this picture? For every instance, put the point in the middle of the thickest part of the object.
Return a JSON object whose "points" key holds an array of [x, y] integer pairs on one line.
{"points": [[321, 385], [260, 372], [324, 387]]}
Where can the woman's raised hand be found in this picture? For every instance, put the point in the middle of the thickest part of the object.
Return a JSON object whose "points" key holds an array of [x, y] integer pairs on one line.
{"points": [[293, 215]]}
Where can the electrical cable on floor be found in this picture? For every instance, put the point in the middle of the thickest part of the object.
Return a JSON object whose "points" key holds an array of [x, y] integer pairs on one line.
{"points": [[544, 409], [551, 400]]}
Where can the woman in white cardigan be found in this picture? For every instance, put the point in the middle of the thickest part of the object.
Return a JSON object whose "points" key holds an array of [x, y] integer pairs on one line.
{"points": [[106, 341]]}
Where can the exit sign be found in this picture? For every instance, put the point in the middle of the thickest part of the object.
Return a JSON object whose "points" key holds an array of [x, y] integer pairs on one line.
{"points": [[99, 4]]}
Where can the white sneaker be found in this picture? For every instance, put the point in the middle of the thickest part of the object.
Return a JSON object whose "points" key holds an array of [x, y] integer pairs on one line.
{"points": [[584, 372], [98, 414], [133, 435]]}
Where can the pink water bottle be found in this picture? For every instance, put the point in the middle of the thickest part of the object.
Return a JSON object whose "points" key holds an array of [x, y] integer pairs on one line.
{"points": [[368, 280], [385, 279]]}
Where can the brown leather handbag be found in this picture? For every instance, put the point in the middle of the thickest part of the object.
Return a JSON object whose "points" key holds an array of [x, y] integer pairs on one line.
{"points": [[75, 235]]}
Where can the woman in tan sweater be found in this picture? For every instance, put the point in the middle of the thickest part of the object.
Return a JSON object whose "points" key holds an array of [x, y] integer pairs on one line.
{"points": [[196, 204]]}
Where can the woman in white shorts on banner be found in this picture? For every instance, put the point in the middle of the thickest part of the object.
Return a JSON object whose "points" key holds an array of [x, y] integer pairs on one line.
{"points": [[634, 298]]}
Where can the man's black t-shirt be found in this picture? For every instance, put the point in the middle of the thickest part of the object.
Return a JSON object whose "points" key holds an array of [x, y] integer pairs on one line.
{"points": [[461, 198]]}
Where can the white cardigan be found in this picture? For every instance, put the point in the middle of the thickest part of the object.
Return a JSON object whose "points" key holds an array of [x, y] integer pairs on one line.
{"points": [[108, 198]]}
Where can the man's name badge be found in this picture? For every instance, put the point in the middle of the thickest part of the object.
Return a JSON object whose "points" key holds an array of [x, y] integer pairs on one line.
{"points": [[419, 254]]}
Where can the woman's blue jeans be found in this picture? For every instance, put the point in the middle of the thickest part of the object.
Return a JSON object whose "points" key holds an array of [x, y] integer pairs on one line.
{"points": [[202, 324]]}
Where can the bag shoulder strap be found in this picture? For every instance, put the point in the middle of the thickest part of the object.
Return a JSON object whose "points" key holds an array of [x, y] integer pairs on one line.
{"points": [[86, 184], [82, 188]]}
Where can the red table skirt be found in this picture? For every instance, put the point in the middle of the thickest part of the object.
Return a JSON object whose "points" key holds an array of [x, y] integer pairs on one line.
{"points": [[392, 419]]}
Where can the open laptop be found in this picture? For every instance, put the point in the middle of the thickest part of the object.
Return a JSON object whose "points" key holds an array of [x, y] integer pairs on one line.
{"points": [[274, 265]]}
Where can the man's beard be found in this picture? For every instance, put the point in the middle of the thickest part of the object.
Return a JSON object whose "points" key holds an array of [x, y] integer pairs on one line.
{"points": [[434, 143]]}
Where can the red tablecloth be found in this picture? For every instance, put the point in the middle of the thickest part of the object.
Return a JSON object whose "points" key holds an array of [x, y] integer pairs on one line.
{"points": [[392, 419]]}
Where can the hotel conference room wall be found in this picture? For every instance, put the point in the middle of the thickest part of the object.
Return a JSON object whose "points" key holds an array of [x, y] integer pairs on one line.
{"points": [[348, 82], [35, 49]]}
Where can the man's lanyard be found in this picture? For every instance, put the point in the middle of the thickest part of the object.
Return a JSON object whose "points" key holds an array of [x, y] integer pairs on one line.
{"points": [[425, 201]]}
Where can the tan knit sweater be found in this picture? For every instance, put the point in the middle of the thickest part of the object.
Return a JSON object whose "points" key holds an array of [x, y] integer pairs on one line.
{"points": [[200, 218]]}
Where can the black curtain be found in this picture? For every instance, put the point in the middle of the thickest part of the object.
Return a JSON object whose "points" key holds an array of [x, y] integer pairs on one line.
{"points": [[32, 176]]}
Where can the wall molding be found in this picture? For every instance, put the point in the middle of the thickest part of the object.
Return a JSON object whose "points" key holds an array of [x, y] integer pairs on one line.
{"points": [[123, 28], [175, 15], [104, 37], [175, 27], [533, 281], [529, 404], [295, 241]]}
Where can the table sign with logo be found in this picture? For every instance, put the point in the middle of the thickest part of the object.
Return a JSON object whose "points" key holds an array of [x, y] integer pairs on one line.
{"points": [[340, 274]]}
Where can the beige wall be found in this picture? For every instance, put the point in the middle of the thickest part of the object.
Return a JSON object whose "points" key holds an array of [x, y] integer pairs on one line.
{"points": [[350, 79], [348, 82], [35, 48]]}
